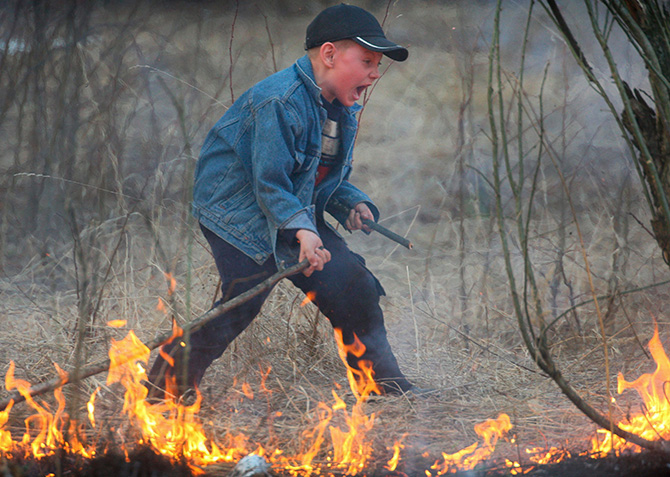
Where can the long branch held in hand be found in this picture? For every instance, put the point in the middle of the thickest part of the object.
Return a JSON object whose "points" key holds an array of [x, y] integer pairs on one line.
{"points": [[193, 325]]}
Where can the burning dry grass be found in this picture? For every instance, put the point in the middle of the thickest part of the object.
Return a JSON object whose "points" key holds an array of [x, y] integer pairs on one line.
{"points": [[269, 385]]}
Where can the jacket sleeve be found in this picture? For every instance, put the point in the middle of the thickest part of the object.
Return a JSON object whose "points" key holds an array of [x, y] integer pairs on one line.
{"points": [[345, 198], [273, 158]]}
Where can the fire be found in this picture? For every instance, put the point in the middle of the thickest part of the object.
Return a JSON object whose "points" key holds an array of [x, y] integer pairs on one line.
{"points": [[6, 442], [351, 450], [339, 442], [173, 429], [177, 332], [392, 464], [170, 428], [264, 378], [361, 380], [47, 427], [172, 282], [309, 298], [117, 323], [653, 422], [541, 455], [90, 407], [490, 431], [248, 392]]}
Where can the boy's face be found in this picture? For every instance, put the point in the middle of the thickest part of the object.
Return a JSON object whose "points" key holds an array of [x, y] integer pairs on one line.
{"points": [[352, 69]]}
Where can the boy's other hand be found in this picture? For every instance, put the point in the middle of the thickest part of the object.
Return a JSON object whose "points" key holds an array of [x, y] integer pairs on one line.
{"points": [[354, 222], [311, 248]]}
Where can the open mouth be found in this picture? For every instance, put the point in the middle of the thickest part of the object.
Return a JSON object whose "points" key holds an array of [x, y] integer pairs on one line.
{"points": [[360, 90]]}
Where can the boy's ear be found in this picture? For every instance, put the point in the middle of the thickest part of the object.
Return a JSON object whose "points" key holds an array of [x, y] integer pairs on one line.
{"points": [[326, 53]]}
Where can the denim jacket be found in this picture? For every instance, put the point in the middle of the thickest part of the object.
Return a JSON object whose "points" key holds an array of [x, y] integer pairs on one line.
{"points": [[256, 172]]}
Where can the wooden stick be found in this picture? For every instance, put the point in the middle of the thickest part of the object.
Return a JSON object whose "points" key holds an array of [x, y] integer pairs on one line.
{"points": [[195, 324], [388, 233], [399, 239]]}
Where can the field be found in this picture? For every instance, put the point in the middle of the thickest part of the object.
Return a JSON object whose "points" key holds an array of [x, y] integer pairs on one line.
{"points": [[103, 110]]}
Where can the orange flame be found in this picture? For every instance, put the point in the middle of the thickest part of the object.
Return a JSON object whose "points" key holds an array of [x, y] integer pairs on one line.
{"points": [[6, 442], [246, 390], [350, 449], [309, 298], [392, 464], [117, 323], [552, 455], [47, 426], [361, 380], [90, 407], [302, 463], [338, 442], [172, 282], [466, 459], [177, 332], [172, 429], [654, 422], [264, 378]]}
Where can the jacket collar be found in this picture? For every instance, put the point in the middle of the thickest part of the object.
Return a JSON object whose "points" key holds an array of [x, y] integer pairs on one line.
{"points": [[304, 66], [306, 73]]}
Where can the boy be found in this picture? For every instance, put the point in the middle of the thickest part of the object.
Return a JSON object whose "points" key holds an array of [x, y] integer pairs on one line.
{"points": [[269, 168]]}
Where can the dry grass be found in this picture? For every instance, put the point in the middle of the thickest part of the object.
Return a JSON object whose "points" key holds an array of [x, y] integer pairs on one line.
{"points": [[478, 378]]}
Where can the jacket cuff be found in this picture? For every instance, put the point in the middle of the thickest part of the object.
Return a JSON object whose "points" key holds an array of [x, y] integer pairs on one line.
{"points": [[303, 219]]}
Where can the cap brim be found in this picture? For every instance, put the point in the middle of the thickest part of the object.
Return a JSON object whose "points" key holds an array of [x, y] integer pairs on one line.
{"points": [[383, 45]]}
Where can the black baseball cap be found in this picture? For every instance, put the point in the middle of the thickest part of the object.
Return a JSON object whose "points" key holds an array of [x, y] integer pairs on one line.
{"points": [[342, 22]]}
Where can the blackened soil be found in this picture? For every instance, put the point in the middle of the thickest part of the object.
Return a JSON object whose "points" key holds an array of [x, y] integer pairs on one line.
{"points": [[644, 464], [145, 463], [141, 463]]}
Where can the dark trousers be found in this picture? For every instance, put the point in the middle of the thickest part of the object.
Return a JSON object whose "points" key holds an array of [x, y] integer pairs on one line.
{"points": [[345, 291]]}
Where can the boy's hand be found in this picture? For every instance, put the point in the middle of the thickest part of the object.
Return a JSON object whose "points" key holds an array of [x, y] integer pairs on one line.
{"points": [[360, 211], [311, 248]]}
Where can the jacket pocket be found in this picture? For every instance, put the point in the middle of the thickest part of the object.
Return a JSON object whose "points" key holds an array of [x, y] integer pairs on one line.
{"points": [[238, 198]]}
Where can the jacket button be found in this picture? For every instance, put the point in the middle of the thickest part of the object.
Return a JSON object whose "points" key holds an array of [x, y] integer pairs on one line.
{"points": [[259, 256]]}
